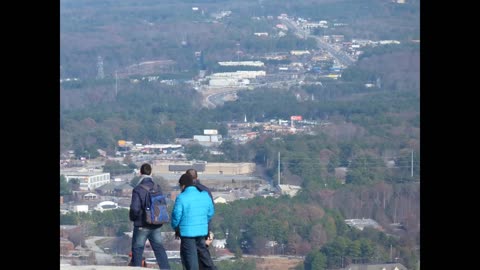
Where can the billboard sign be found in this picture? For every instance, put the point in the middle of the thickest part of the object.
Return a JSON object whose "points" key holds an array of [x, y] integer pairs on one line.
{"points": [[210, 132], [296, 118]]}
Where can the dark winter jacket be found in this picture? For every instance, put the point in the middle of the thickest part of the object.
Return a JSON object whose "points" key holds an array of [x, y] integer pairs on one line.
{"points": [[139, 195], [202, 187]]}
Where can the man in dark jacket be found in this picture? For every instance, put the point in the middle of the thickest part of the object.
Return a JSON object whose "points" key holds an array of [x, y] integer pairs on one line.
{"points": [[141, 230], [204, 258]]}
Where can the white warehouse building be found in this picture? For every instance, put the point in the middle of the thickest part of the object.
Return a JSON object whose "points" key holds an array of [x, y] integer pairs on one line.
{"points": [[239, 74], [242, 63], [237, 78], [89, 180], [228, 82]]}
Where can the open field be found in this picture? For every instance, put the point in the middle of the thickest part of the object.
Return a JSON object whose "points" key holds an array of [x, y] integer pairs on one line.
{"points": [[277, 263]]}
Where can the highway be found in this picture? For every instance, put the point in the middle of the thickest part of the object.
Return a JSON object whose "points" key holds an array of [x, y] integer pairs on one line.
{"points": [[342, 58], [218, 99]]}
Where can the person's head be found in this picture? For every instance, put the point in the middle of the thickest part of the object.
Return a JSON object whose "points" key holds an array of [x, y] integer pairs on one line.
{"points": [[192, 173], [146, 169], [185, 180]]}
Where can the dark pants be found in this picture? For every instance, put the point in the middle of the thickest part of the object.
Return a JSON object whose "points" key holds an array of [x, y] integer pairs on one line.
{"points": [[188, 252], [204, 259], [195, 254]]}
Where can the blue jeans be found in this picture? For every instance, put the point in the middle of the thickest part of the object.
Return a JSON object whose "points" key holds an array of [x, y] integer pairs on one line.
{"points": [[139, 238]]}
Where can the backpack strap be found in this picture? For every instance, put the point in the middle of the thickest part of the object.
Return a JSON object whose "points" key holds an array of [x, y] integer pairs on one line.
{"points": [[146, 196]]}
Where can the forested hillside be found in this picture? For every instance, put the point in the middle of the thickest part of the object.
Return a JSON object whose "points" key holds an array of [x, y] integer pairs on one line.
{"points": [[313, 222], [131, 31]]}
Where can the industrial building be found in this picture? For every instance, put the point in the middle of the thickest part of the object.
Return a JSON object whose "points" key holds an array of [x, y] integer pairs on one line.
{"points": [[89, 180], [171, 166]]}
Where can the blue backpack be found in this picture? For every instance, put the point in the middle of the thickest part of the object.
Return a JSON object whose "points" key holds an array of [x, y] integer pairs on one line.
{"points": [[156, 212]]}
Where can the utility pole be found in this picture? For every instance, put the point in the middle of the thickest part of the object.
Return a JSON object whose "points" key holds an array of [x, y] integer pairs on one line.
{"points": [[411, 167], [116, 84], [100, 73], [278, 169], [394, 208], [391, 255], [238, 51]]}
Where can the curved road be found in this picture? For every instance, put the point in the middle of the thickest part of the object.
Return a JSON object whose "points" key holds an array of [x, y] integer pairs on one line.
{"points": [[217, 99], [101, 257]]}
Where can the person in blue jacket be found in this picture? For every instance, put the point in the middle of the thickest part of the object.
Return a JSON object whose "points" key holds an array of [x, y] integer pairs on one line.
{"points": [[204, 258], [141, 230], [192, 211]]}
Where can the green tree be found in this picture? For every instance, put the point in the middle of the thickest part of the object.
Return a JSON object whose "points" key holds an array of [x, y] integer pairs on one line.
{"points": [[367, 249], [335, 252], [354, 250], [74, 184], [65, 189], [365, 169], [68, 219], [315, 260], [116, 168], [194, 151]]}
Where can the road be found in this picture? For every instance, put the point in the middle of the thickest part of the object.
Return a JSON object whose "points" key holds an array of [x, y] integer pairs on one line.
{"points": [[213, 97], [218, 99], [101, 257], [342, 58]]}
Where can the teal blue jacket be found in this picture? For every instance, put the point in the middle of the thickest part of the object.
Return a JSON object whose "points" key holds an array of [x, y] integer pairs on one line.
{"points": [[192, 211]]}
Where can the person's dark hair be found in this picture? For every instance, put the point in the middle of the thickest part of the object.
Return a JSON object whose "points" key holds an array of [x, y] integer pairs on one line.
{"points": [[186, 180], [193, 173], [146, 169]]}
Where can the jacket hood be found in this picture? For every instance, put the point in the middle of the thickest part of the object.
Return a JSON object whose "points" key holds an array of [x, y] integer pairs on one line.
{"points": [[146, 180]]}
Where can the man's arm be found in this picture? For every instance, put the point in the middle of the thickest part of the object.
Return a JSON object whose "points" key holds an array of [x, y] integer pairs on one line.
{"points": [[211, 212], [135, 206]]}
